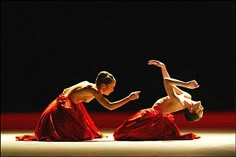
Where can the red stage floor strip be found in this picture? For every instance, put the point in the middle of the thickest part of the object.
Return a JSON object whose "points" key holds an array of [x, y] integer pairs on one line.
{"points": [[110, 120]]}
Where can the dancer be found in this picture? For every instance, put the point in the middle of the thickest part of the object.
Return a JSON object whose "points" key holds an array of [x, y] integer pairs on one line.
{"points": [[66, 118], [157, 123]]}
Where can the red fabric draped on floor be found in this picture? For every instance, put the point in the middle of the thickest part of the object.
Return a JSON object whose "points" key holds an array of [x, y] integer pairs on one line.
{"points": [[64, 121], [150, 124]]}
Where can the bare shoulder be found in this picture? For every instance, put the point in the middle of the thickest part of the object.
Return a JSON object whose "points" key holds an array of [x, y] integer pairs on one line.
{"points": [[85, 85], [79, 86], [84, 88]]}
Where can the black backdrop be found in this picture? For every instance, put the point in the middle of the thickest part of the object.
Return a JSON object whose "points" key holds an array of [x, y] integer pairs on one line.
{"points": [[50, 45]]}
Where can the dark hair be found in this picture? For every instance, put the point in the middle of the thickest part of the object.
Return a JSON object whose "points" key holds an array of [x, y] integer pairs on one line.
{"points": [[191, 116], [104, 77]]}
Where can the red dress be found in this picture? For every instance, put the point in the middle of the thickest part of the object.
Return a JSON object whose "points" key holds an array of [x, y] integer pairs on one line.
{"points": [[150, 124], [64, 121]]}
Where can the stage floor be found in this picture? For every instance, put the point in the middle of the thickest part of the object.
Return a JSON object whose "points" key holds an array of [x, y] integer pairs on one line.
{"points": [[212, 143], [217, 131]]}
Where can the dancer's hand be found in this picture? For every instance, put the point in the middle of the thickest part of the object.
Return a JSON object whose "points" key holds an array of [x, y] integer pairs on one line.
{"points": [[156, 63], [192, 84], [134, 95]]}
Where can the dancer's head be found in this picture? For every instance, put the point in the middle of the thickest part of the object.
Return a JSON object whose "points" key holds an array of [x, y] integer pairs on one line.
{"points": [[194, 112], [105, 82]]}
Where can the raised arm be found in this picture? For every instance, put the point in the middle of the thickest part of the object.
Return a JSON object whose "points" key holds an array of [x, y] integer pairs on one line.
{"points": [[161, 65], [165, 74], [174, 82], [170, 82]]}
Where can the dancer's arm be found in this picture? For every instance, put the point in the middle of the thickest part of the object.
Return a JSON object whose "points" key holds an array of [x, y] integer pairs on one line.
{"points": [[116, 104], [161, 65], [165, 74], [170, 82]]}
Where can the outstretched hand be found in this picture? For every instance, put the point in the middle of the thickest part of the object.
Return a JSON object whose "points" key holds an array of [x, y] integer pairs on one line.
{"points": [[192, 84], [156, 63], [134, 95]]}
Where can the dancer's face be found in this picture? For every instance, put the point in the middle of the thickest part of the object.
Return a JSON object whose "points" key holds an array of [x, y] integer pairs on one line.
{"points": [[109, 88], [197, 108]]}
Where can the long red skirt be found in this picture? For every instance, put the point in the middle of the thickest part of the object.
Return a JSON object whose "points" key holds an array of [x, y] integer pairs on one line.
{"points": [[64, 121], [150, 124]]}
